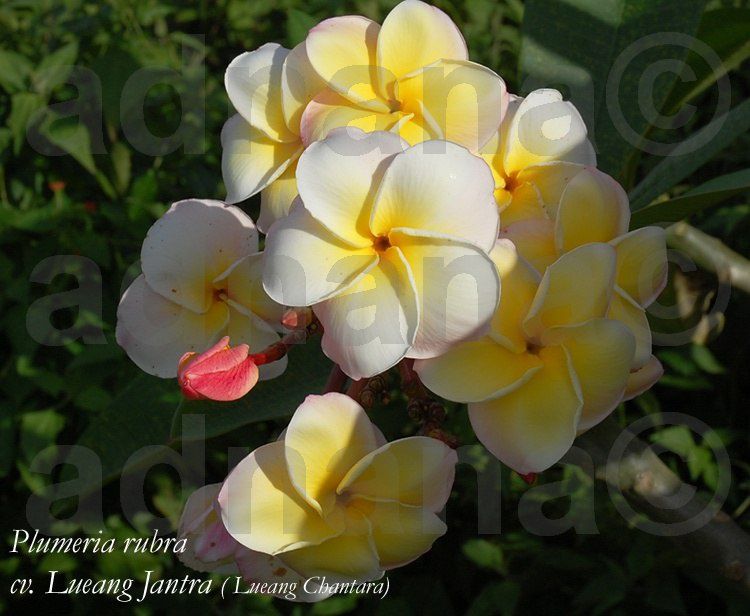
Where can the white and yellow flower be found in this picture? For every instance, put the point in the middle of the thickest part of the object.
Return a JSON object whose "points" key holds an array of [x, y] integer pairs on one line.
{"points": [[553, 364], [332, 498], [541, 137], [389, 247], [201, 281], [410, 76], [269, 88]]}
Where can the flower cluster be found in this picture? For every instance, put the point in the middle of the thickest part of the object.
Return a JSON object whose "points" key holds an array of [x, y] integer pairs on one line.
{"points": [[416, 213]]}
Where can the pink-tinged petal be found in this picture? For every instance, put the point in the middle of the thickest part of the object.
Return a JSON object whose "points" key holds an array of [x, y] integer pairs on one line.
{"points": [[293, 277], [563, 299], [209, 546], [251, 161], [601, 352], [438, 187], [319, 451], [457, 285], [155, 332], [338, 178], [593, 208], [534, 425], [262, 510], [342, 50], [371, 326], [190, 245], [417, 471], [415, 34], [221, 373], [462, 101], [254, 84], [644, 378], [642, 263], [299, 85]]}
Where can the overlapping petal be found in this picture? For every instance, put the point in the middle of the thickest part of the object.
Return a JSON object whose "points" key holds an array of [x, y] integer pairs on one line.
{"points": [[642, 263]]}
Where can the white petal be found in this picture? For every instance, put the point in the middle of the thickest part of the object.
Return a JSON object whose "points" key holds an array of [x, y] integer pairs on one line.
{"points": [[438, 187], [371, 326], [246, 328], [306, 264], [190, 245], [458, 288], [338, 177], [155, 332], [250, 161]]}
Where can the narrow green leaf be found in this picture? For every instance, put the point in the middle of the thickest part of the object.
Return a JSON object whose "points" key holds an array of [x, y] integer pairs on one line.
{"points": [[23, 107], [14, 70], [307, 373], [70, 135], [691, 154], [55, 68], [712, 192], [598, 52], [725, 32]]}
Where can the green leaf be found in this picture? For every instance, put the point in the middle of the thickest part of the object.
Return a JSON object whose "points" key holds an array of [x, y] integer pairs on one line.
{"points": [[23, 106], [598, 50], [678, 439], [712, 192], [725, 31], [140, 416], [496, 598], [121, 164], [298, 24], [691, 154], [706, 360], [307, 373], [14, 69], [39, 429], [72, 136], [55, 68], [485, 554]]}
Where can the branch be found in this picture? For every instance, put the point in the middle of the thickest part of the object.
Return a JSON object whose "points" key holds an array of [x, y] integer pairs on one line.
{"points": [[711, 254], [714, 540]]}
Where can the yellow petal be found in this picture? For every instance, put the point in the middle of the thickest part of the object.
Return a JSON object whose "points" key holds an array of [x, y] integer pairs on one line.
{"points": [[625, 309], [519, 283], [593, 208], [642, 263], [348, 556], [329, 110], [476, 370], [326, 436], [415, 471], [277, 198], [533, 426], [535, 241], [415, 34], [250, 161], [644, 378], [343, 51], [464, 100], [400, 533], [550, 179], [575, 288], [525, 204], [263, 511], [601, 353]]}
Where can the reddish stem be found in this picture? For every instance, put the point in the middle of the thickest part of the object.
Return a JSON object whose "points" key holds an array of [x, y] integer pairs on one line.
{"points": [[336, 380], [279, 349]]}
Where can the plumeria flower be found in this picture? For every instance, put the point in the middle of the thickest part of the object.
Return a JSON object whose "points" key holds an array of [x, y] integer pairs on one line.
{"points": [[411, 75], [201, 281], [332, 498], [389, 247], [541, 138], [209, 547], [269, 88], [584, 205], [552, 366]]}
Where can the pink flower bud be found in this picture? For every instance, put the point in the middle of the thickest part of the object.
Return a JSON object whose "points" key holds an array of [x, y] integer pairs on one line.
{"points": [[220, 373]]}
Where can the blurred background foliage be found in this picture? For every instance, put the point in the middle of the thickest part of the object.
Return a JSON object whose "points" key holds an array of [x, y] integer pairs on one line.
{"points": [[90, 156]]}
